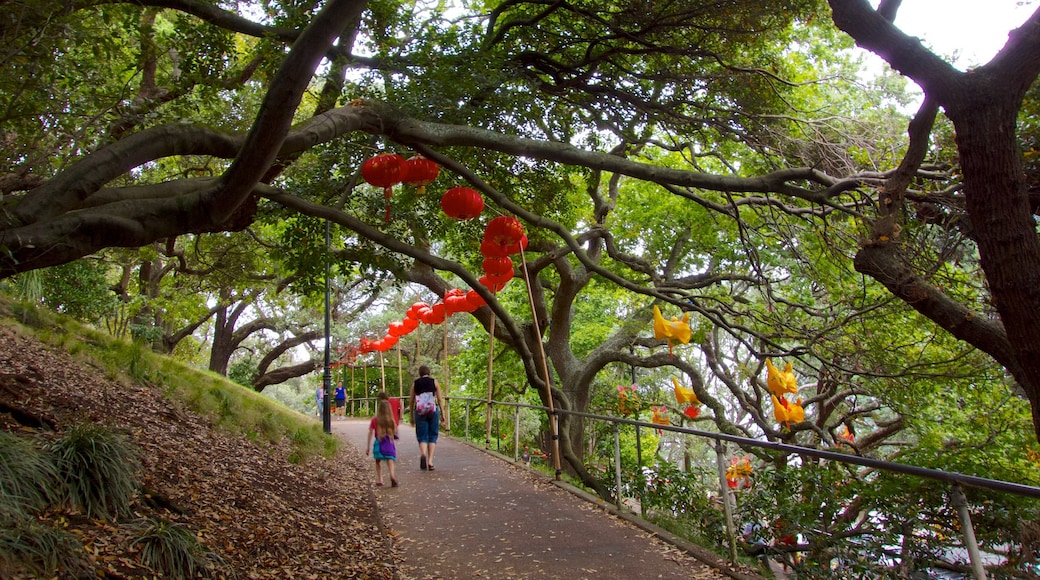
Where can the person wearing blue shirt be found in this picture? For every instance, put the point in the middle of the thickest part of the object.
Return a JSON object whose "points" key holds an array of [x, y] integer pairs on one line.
{"points": [[341, 401]]}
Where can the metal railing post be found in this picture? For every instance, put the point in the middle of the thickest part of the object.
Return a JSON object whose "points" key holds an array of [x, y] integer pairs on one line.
{"points": [[961, 503], [640, 474], [516, 433], [731, 535], [617, 460]]}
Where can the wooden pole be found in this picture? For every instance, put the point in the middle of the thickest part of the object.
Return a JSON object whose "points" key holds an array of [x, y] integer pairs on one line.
{"points": [[447, 377], [553, 427], [382, 373], [400, 377], [491, 358]]}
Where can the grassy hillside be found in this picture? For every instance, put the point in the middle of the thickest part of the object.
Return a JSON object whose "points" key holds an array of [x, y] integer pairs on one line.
{"points": [[116, 462]]}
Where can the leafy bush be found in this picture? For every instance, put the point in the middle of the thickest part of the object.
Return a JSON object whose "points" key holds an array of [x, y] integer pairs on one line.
{"points": [[684, 502], [28, 479], [173, 551], [98, 469]]}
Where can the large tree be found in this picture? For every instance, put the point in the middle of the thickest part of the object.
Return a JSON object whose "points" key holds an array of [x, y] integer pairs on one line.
{"points": [[563, 114]]}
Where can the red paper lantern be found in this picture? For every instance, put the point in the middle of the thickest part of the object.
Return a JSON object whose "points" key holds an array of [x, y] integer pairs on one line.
{"points": [[383, 170], [490, 249], [496, 266], [437, 313], [410, 324], [419, 172], [475, 300], [413, 310], [397, 329], [388, 341], [515, 247], [455, 301], [465, 305], [494, 283], [462, 203], [504, 231], [433, 315]]}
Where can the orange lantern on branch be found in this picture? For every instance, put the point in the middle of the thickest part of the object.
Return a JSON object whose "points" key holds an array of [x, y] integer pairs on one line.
{"points": [[673, 330], [462, 203], [686, 396], [419, 172], [781, 383], [383, 170]]}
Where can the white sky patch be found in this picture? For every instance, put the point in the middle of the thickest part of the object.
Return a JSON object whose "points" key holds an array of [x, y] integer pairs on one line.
{"points": [[970, 32]]}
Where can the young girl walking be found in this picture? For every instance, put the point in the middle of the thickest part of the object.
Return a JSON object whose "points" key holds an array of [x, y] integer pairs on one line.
{"points": [[382, 431]]}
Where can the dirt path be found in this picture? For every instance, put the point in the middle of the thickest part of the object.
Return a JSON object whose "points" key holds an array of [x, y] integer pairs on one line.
{"points": [[477, 516]]}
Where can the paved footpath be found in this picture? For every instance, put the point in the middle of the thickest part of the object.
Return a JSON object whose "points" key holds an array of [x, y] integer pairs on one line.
{"points": [[479, 516]]}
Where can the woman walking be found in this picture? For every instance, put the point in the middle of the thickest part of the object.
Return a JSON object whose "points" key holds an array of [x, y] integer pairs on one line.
{"points": [[426, 408]]}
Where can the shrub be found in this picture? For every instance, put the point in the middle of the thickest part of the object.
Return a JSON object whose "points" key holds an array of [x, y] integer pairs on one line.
{"points": [[98, 469], [173, 550], [28, 479], [28, 547]]}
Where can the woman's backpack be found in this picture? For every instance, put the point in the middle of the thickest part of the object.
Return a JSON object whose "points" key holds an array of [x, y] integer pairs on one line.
{"points": [[426, 403]]}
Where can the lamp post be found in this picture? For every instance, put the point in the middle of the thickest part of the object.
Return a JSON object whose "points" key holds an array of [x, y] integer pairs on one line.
{"points": [[326, 379]]}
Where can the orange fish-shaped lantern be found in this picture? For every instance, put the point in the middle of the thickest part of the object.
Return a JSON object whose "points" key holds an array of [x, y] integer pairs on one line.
{"points": [[780, 382], [787, 413], [673, 330], [686, 396]]}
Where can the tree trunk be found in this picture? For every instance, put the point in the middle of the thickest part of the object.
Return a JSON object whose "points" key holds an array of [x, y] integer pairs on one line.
{"points": [[1005, 229]]}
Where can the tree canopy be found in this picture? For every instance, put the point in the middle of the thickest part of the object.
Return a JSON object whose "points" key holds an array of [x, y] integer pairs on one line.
{"points": [[720, 159]]}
